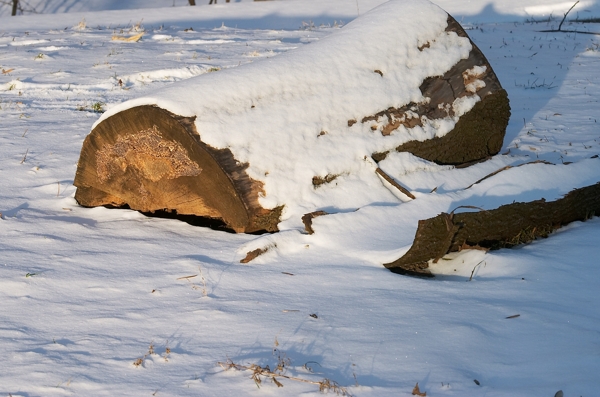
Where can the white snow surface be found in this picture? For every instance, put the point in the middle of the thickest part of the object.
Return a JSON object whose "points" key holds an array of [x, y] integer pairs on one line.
{"points": [[287, 116], [85, 292]]}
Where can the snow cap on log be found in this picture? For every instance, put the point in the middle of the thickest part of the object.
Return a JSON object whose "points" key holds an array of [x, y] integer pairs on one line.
{"points": [[261, 144]]}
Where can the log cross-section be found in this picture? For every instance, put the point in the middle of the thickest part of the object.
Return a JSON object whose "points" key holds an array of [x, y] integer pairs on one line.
{"points": [[151, 160]]}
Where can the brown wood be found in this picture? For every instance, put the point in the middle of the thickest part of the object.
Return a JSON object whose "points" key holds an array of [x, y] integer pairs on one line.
{"points": [[152, 160], [506, 226], [477, 135], [395, 184], [307, 220]]}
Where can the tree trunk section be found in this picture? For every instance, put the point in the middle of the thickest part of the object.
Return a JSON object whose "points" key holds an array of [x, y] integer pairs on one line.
{"points": [[151, 160], [506, 226]]}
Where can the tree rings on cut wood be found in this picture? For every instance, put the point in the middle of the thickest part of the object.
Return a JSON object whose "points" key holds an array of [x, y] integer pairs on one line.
{"points": [[506, 226], [152, 160]]}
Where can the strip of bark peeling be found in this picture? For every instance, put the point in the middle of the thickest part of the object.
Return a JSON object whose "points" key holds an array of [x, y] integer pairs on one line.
{"points": [[251, 255], [504, 227], [307, 220]]}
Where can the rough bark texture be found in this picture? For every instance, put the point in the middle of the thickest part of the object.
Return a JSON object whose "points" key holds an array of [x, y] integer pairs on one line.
{"points": [[477, 135], [506, 226], [307, 220], [151, 160]]}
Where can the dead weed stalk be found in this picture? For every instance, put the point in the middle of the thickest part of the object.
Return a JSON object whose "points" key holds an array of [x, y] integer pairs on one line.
{"points": [[165, 356], [283, 362]]}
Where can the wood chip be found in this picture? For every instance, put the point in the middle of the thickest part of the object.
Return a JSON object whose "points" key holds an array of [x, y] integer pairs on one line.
{"points": [[254, 254], [307, 220]]}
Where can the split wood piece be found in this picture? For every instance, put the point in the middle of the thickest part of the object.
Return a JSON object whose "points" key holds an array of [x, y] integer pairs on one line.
{"points": [[307, 220], [152, 160], [478, 134], [395, 184], [251, 255], [504, 227]]}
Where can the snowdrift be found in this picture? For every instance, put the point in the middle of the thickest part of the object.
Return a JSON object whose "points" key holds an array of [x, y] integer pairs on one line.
{"points": [[259, 145]]}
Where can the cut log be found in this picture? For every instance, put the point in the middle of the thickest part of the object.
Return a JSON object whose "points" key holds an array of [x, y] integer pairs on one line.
{"points": [[151, 160], [506, 226], [478, 134], [240, 147]]}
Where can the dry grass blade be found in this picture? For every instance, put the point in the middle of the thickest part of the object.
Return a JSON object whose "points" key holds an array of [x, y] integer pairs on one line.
{"points": [[25, 157], [471, 207], [507, 168], [187, 277], [131, 39], [325, 385], [473, 272], [417, 392]]}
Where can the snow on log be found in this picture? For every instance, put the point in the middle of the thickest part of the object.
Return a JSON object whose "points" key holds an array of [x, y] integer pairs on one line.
{"points": [[259, 145], [506, 226]]}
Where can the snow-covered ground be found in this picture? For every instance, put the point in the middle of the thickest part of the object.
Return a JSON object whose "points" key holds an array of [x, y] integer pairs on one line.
{"points": [[85, 292]]}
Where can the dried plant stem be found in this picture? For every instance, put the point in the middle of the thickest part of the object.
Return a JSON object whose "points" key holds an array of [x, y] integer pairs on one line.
{"points": [[258, 371], [203, 280], [567, 13], [25, 156], [473, 272]]}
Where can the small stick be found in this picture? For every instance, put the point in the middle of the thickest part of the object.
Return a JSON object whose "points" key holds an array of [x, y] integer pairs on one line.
{"points": [[473, 272], [204, 293], [23, 136], [395, 184], [25, 157], [187, 277], [567, 13]]}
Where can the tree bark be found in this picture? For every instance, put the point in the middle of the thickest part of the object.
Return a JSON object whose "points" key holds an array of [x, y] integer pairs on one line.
{"points": [[150, 159], [14, 7], [192, 2], [503, 227]]}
